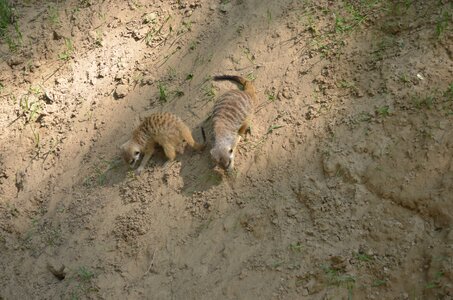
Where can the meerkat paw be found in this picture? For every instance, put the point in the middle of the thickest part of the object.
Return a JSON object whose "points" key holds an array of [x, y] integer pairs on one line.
{"points": [[248, 130], [139, 170]]}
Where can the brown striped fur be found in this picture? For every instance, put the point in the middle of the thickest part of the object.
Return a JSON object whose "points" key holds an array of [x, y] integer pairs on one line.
{"points": [[231, 118], [164, 129]]}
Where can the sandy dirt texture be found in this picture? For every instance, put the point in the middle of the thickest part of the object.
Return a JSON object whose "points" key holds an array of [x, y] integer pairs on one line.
{"points": [[343, 189]]}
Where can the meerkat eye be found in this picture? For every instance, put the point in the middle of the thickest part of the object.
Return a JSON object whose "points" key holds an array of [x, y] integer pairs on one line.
{"points": [[230, 151], [137, 153]]}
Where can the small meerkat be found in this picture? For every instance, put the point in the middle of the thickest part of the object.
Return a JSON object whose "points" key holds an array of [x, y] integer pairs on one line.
{"points": [[231, 118], [162, 128]]}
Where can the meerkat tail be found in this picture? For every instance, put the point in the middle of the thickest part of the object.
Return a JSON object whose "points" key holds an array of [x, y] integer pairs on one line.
{"points": [[247, 84]]}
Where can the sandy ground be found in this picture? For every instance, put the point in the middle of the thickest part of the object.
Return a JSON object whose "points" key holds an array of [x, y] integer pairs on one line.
{"points": [[343, 190]]}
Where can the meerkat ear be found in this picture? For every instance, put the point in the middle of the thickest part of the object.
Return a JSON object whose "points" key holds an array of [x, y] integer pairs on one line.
{"points": [[122, 147]]}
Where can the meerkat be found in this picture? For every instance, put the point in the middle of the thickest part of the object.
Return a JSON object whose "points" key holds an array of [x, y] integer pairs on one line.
{"points": [[162, 128], [231, 119]]}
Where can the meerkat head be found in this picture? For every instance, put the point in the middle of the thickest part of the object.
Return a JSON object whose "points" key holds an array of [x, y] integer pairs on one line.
{"points": [[223, 153], [131, 153]]}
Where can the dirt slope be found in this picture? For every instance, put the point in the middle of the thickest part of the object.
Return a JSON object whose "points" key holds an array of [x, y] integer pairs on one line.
{"points": [[343, 190]]}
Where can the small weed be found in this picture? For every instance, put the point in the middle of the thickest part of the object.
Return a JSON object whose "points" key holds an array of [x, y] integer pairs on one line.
{"points": [[404, 78], [378, 283], [98, 40], [149, 37], [209, 91], [442, 23], [29, 109], [448, 93], [277, 264], [250, 76], [13, 38], [149, 18], [1, 87], [435, 283], [131, 174], [269, 16], [154, 32], [36, 139], [172, 73], [363, 257], [54, 16], [193, 45], [101, 170], [383, 111], [341, 24], [179, 93], [66, 54], [189, 77], [162, 92], [36, 90], [84, 274], [345, 84], [6, 16], [270, 96], [187, 25], [272, 128], [335, 277], [423, 102], [295, 247], [53, 237], [137, 78], [250, 56]]}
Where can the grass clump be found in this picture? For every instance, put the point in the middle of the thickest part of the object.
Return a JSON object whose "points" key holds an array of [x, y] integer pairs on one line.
{"points": [[163, 93], [9, 29], [6, 17]]}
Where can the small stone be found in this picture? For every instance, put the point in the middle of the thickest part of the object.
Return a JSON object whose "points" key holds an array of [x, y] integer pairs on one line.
{"points": [[57, 35], [121, 91], [291, 212], [14, 61], [148, 80], [151, 17], [286, 93], [60, 80], [312, 112], [310, 286]]}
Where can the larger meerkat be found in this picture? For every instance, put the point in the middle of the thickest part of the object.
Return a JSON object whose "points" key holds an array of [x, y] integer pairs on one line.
{"points": [[162, 128], [231, 118]]}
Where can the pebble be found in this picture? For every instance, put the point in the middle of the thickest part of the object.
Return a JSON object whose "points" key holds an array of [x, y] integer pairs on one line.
{"points": [[121, 91]]}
